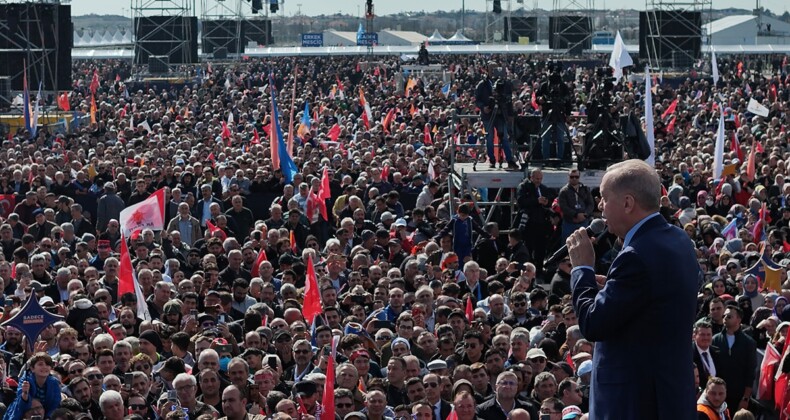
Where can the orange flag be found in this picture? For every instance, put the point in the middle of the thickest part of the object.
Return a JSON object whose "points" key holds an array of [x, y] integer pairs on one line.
{"points": [[93, 109]]}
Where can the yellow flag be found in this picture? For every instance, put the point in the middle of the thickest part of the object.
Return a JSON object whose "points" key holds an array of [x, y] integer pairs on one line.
{"points": [[772, 278], [92, 171], [729, 170]]}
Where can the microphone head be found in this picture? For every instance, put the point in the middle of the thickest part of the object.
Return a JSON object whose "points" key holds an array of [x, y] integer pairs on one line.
{"points": [[597, 226]]}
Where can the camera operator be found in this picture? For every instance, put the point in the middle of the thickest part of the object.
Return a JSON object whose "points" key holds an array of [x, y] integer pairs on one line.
{"points": [[494, 97], [422, 55], [555, 96]]}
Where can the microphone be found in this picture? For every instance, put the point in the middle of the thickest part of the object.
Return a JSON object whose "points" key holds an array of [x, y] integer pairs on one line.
{"points": [[597, 227]]}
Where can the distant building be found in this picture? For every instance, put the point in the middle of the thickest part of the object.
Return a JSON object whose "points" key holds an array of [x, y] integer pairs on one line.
{"points": [[747, 30]]}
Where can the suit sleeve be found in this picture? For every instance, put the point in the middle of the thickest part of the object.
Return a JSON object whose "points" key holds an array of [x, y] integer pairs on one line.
{"points": [[603, 313]]}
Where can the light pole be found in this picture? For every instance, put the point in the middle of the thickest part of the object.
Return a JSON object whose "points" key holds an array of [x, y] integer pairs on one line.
{"points": [[463, 16]]}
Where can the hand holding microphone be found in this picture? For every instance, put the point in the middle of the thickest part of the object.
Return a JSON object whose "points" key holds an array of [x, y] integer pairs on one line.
{"points": [[597, 227]]}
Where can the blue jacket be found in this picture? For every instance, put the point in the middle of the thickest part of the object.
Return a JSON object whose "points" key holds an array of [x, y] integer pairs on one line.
{"points": [[640, 323], [51, 400]]}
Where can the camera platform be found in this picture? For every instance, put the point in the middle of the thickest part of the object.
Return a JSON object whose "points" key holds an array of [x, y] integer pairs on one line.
{"points": [[485, 177]]}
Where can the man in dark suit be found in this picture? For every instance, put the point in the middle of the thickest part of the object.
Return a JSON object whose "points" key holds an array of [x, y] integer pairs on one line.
{"points": [[640, 312], [202, 210], [504, 401], [705, 355], [534, 202], [736, 364], [42, 228], [441, 408]]}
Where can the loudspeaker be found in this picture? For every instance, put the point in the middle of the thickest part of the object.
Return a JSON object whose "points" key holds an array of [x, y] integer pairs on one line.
{"points": [[173, 36], [573, 33], [516, 27], [158, 64], [258, 31], [40, 35], [223, 33], [5, 92], [674, 37]]}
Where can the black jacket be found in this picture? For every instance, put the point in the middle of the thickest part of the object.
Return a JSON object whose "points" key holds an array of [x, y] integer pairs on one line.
{"points": [[490, 409], [736, 365]]}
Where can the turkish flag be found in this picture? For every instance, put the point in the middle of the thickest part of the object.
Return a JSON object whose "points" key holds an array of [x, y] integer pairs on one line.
{"points": [[125, 276], [7, 203], [470, 312], [213, 228], [767, 370], [312, 299], [334, 132], [328, 399], [255, 272]]}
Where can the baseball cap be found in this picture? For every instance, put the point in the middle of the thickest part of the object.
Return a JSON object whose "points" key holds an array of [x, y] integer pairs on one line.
{"points": [[533, 353], [584, 368]]}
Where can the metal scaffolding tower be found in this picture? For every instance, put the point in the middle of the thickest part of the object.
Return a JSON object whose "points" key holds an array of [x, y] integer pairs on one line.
{"points": [[222, 23], [38, 34], [163, 27], [570, 25], [673, 32]]}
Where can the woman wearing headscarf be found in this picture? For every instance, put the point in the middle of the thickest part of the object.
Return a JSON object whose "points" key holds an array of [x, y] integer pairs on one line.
{"points": [[779, 306], [750, 290]]}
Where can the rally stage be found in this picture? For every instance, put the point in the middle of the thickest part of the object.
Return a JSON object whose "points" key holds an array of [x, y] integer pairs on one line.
{"points": [[553, 177]]}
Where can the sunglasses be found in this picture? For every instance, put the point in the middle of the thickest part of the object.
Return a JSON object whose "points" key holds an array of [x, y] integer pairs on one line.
{"points": [[340, 405], [538, 359], [574, 177], [519, 304], [94, 376], [138, 406], [431, 384], [384, 337]]}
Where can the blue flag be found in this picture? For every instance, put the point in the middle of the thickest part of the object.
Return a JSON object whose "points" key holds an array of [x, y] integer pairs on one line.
{"points": [[446, 90], [287, 164], [360, 33], [306, 115]]}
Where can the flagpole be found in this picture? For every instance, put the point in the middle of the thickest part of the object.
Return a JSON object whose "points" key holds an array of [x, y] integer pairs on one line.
{"points": [[291, 117]]}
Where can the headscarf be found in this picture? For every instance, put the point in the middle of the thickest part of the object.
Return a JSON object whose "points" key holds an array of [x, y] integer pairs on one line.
{"points": [[750, 279], [782, 298]]}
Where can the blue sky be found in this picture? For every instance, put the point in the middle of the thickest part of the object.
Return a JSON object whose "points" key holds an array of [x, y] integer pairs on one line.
{"points": [[317, 7]]}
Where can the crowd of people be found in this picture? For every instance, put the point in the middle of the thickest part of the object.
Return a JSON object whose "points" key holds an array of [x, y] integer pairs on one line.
{"points": [[427, 311]]}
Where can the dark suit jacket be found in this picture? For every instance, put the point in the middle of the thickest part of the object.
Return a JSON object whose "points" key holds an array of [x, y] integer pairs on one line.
{"points": [[490, 409], [198, 210], [714, 353], [444, 409], [52, 291], [736, 365], [40, 232], [639, 317]]}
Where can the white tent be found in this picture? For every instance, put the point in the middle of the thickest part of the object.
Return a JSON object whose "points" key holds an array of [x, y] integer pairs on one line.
{"points": [[459, 37], [117, 39], [96, 39], [107, 38], [77, 39], [436, 37]]}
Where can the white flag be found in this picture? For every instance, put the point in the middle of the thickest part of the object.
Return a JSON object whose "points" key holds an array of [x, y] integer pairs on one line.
{"points": [[619, 58], [142, 306], [230, 118], [718, 157], [715, 66], [147, 214], [757, 108], [649, 130]]}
